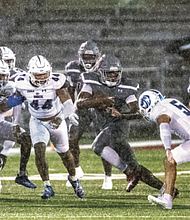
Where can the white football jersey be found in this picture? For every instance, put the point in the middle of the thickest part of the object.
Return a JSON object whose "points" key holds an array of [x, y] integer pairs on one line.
{"points": [[5, 92], [179, 114], [42, 101]]}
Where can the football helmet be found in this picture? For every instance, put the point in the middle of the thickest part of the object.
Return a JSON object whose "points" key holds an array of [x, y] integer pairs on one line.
{"points": [[88, 54], [40, 70], [8, 56], [4, 73], [147, 101], [110, 70]]}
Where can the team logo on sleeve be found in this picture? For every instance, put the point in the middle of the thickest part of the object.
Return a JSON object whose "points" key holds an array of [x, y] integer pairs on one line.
{"points": [[145, 101]]}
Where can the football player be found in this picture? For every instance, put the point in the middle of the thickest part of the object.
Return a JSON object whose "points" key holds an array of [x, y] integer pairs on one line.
{"points": [[9, 57], [115, 98], [88, 56], [7, 129], [49, 105], [172, 117]]}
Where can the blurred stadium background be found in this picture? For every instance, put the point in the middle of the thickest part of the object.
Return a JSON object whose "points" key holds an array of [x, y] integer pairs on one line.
{"points": [[144, 34]]}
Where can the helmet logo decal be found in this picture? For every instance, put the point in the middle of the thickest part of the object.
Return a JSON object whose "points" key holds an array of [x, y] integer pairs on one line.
{"points": [[145, 101]]}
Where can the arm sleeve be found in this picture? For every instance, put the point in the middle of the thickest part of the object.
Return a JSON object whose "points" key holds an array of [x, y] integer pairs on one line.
{"points": [[67, 108], [16, 113], [165, 135]]}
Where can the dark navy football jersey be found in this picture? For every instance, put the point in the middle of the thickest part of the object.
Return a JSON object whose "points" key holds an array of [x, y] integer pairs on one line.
{"points": [[119, 93], [73, 71]]}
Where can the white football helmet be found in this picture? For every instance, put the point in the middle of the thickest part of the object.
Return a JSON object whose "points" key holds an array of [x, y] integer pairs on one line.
{"points": [[8, 56], [40, 70], [147, 101], [4, 73]]}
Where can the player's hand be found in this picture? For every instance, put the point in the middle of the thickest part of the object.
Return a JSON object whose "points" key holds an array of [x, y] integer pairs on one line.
{"points": [[16, 131], [55, 122], [170, 156], [113, 112], [74, 119], [14, 100], [106, 102]]}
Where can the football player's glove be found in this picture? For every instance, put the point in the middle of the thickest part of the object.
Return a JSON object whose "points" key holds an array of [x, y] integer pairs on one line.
{"points": [[74, 119], [55, 122], [15, 100]]}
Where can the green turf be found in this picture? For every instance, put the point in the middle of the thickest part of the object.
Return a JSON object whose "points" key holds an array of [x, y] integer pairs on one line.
{"points": [[18, 202]]}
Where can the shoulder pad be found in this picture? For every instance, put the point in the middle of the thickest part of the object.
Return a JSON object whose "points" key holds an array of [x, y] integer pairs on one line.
{"points": [[129, 83], [90, 78], [58, 80], [74, 66]]}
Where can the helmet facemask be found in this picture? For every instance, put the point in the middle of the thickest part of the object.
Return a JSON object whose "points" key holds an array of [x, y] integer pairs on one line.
{"points": [[110, 70], [40, 71], [41, 79], [4, 74], [88, 55], [8, 56], [88, 61], [111, 78]]}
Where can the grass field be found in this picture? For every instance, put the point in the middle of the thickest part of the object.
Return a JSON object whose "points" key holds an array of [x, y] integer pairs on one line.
{"points": [[18, 202]]}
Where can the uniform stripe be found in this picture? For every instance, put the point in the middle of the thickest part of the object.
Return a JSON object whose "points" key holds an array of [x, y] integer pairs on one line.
{"points": [[72, 70], [128, 87]]}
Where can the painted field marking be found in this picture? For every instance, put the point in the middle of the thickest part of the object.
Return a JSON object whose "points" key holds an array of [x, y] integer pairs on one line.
{"points": [[87, 176]]}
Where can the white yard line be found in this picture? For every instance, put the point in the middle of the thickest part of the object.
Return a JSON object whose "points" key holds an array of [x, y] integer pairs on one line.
{"points": [[88, 146], [87, 176]]}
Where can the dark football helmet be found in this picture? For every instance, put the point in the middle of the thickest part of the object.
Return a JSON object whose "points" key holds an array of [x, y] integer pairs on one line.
{"points": [[110, 70], [88, 54]]}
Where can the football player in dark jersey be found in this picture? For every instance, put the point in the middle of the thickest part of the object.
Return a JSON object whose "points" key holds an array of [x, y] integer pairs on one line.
{"points": [[88, 56], [115, 98]]}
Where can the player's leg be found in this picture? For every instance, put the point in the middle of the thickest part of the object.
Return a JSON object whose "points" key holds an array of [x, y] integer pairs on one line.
{"points": [[25, 148], [107, 184], [59, 138], [40, 137], [7, 134], [170, 176], [98, 122]]}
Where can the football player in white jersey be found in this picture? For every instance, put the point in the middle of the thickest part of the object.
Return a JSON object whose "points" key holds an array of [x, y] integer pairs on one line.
{"points": [[49, 104], [9, 57], [7, 135], [172, 117]]}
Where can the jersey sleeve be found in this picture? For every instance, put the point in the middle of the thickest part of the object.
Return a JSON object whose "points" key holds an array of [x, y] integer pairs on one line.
{"points": [[59, 80]]}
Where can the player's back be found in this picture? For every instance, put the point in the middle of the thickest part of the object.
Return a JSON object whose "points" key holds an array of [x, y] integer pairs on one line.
{"points": [[179, 114]]}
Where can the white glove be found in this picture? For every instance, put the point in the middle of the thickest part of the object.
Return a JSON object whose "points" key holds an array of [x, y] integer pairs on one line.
{"points": [[74, 119]]}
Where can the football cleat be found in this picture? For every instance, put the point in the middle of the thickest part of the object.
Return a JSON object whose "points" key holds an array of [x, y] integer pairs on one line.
{"points": [[160, 201], [107, 184], [131, 184], [23, 180], [162, 191], [77, 187], [175, 193], [48, 192], [79, 174]]}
